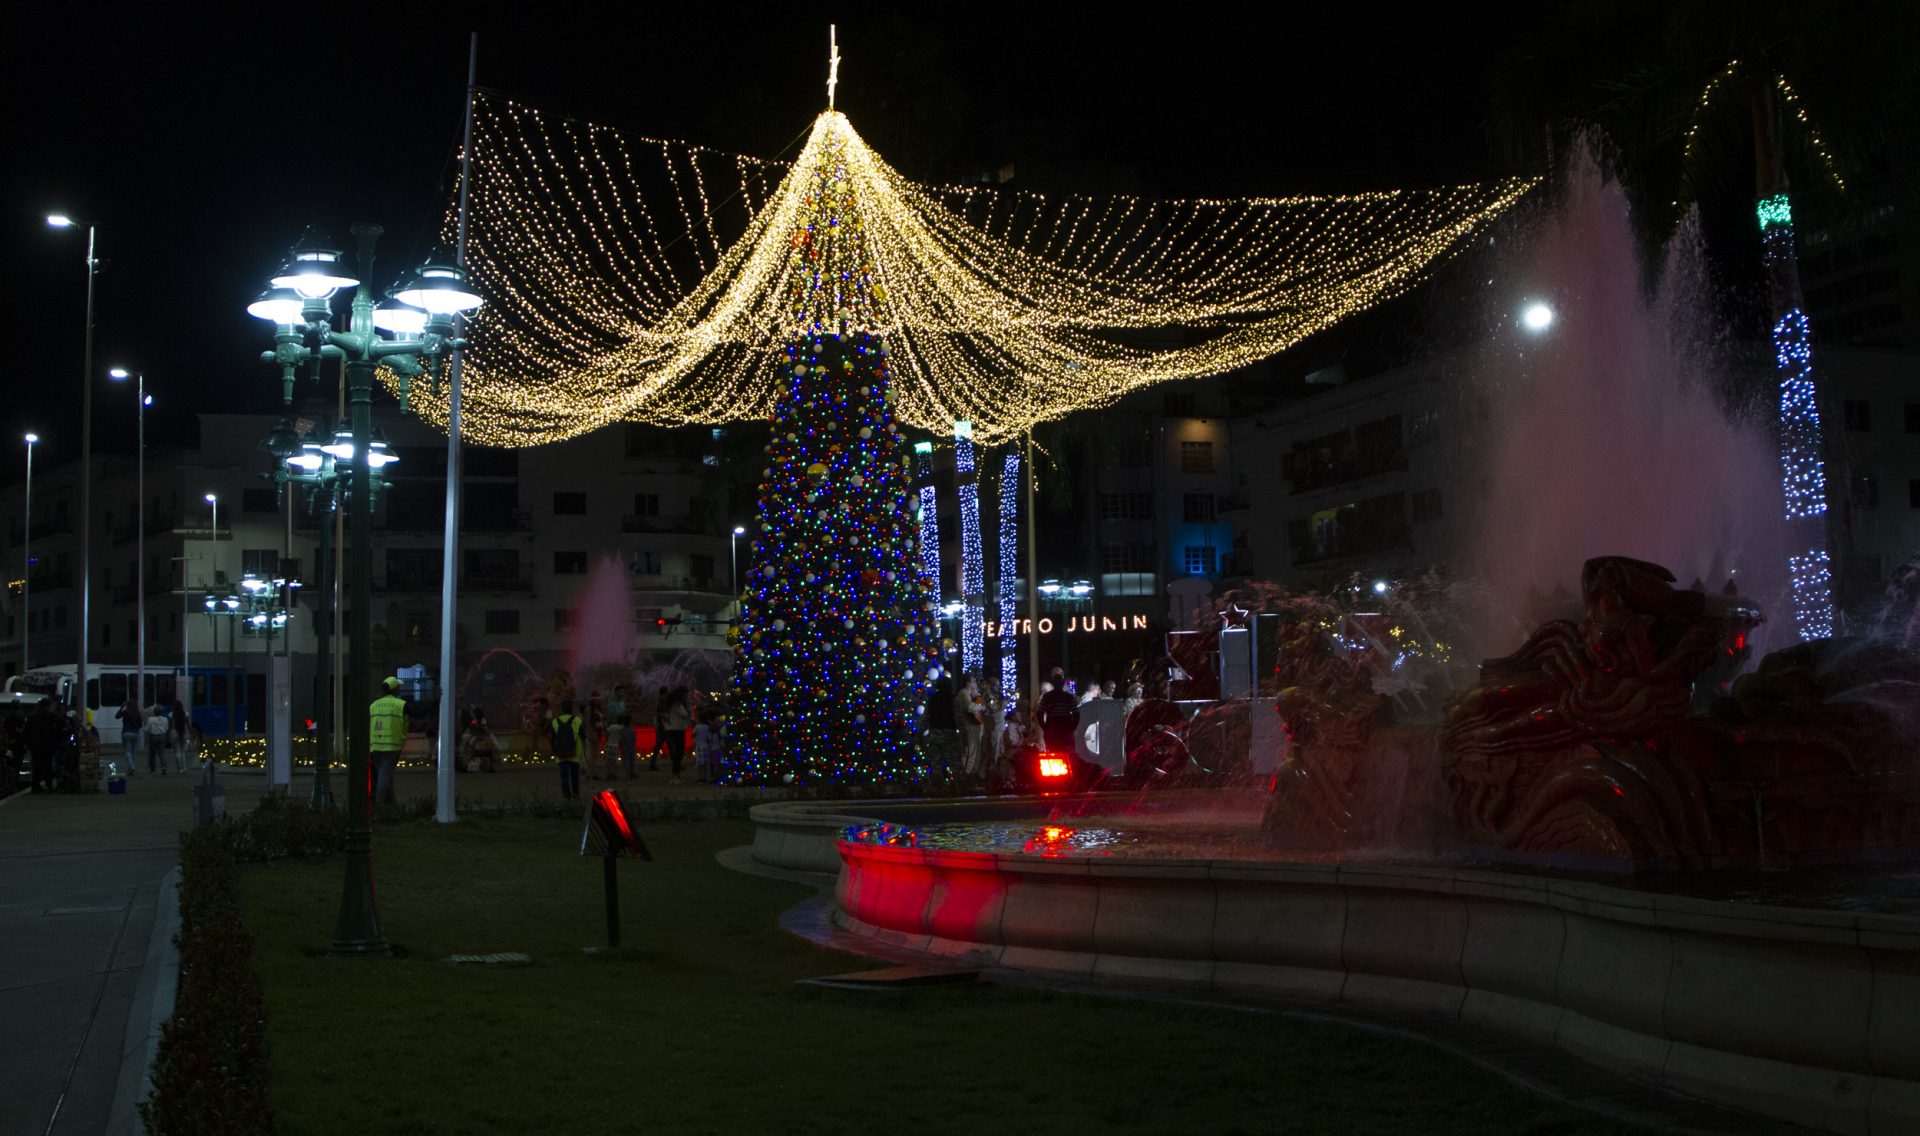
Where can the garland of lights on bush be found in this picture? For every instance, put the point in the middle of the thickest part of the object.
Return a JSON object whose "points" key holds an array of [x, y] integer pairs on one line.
{"points": [[837, 643], [633, 279]]}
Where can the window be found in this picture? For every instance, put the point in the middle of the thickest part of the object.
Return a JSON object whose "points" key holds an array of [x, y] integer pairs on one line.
{"points": [[1126, 558], [60, 618], [700, 567], [1198, 560], [106, 634], [1131, 448], [563, 619], [1913, 418], [1857, 413], [569, 504], [417, 627], [133, 631], [1426, 505], [495, 565], [261, 562], [503, 623], [262, 500], [1196, 457], [413, 568], [1197, 508], [1127, 584], [646, 504], [646, 616], [1177, 404], [1126, 506], [644, 563], [570, 563], [1864, 489]]}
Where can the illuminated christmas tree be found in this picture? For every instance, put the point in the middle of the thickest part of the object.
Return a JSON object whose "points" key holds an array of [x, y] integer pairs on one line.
{"points": [[836, 645]]}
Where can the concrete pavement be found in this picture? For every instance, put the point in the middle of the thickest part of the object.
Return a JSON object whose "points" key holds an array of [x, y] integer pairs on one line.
{"points": [[80, 882]]}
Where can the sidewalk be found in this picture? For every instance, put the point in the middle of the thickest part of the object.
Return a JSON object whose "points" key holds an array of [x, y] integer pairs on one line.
{"points": [[80, 877]]}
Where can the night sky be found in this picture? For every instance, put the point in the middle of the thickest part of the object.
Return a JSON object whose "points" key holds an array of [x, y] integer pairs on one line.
{"points": [[202, 147]]}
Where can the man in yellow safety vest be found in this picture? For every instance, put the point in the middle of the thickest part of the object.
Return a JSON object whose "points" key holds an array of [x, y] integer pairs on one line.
{"points": [[388, 735]]}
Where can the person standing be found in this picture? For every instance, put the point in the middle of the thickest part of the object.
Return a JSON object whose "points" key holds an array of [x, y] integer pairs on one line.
{"points": [[158, 732], [706, 746], [181, 729], [673, 728], [568, 735], [970, 710], [44, 736], [388, 735], [132, 729], [1059, 714], [620, 725], [941, 741]]}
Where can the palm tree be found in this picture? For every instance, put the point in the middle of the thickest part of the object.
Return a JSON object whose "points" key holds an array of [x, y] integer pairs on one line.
{"points": [[1691, 92]]}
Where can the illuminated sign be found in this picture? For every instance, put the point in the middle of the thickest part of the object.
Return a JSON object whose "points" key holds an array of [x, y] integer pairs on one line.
{"points": [[1075, 625]]}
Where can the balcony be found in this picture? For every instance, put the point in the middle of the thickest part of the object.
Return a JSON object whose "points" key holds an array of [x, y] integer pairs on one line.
{"points": [[519, 520], [653, 523], [411, 582], [659, 582], [1309, 471], [496, 581]]}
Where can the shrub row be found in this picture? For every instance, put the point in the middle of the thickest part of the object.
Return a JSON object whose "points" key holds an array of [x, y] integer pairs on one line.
{"points": [[211, 1075]]}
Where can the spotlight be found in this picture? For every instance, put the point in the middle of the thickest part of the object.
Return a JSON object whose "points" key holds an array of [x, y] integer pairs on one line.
{"points": [[1537, 317]]}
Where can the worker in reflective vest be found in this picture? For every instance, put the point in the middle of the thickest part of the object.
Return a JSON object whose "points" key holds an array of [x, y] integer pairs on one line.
{"points": [[388, 735]]}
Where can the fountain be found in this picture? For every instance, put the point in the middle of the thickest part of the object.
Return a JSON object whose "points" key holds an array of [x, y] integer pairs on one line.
{"points": [[1600, 841]]}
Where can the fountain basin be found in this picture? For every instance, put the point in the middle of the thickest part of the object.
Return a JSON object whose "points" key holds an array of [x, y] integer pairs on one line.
{"points": [[1803, 1014]]}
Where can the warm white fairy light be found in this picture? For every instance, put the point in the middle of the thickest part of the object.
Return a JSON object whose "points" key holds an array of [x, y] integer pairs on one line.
{"points": [[617, 292]]}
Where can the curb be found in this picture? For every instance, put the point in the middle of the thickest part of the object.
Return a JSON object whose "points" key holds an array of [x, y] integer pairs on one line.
{"points": [[152, 1005]]}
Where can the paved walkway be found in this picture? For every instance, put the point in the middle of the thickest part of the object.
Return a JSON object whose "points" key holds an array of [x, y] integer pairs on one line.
{"points": [[80, 877]]}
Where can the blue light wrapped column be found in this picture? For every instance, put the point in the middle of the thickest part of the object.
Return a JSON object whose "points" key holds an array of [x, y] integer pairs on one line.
{"points": [[1009, 568], [973, 576], [1803, 477]]}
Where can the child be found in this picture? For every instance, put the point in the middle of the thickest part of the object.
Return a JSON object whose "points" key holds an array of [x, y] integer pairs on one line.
{"points": [[706, 746]]}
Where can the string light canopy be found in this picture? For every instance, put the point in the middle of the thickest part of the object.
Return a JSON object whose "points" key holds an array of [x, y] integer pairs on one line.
{"points": [[633, 279]]}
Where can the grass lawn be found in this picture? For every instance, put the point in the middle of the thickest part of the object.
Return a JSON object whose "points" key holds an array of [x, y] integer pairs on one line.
{"points": [[698, 1027]]}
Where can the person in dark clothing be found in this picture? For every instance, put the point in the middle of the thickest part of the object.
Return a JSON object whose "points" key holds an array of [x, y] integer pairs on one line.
{"points": [[45, 735], [1059, 715], [672, 730], [941, 741]]}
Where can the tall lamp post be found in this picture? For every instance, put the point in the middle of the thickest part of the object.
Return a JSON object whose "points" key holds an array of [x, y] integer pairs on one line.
{"points": [[26, 567], [1065, 599], [311, 463], [60, 221], [304, 336], [733, 552], [140, 403]]}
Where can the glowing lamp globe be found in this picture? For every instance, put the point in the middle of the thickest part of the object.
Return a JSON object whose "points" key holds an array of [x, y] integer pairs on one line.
{"points": [[402, 319], [314, 268], [1537, 317], [280, 306], [438, 287]]}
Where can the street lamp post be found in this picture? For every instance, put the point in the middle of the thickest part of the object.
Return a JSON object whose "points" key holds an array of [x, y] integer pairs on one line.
{"points": [[1065, 599], [140, 404], [422, 332], [26, 567], [733, 552], [60, 221]]}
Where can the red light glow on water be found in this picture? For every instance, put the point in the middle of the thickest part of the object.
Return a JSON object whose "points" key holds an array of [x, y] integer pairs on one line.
{"points": [[1051, 840]]}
